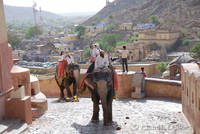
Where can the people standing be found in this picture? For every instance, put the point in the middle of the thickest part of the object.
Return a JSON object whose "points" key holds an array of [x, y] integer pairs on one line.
{"points": [[124, 56], [143, 79]]}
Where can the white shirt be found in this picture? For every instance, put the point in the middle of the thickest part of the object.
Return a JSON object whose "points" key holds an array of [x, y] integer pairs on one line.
{"points": [[124, 53], [70, 59], [62, 57], [93, 52], [98, 52], [101, 62]]}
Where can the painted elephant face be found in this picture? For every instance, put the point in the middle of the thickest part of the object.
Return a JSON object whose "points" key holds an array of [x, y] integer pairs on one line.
{"points": [[102, 81]]}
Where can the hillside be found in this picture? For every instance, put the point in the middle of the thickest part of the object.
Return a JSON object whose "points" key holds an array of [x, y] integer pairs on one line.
{"points": [[24, 14], [179, 14]]}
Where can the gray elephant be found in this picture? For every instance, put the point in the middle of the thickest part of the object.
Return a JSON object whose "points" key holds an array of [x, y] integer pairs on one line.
{"points": [[102, 88], [71, 76]]}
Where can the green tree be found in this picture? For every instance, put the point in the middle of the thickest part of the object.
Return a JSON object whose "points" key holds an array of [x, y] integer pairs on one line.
{"points": [[14, 40], [109, 41], [87, 52], [185, 42], [162, 67], [31, 31], [80, 30], [195, 51], [154, 19]]}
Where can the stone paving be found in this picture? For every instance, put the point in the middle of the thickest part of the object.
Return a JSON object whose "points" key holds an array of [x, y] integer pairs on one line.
{"points": [[145, 116]]}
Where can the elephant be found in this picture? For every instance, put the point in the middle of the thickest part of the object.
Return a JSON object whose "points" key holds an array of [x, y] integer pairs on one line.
{"points": [[72, 76], [101, 86]]}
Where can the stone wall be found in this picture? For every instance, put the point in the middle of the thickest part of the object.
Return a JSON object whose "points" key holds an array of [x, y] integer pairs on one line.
{"points": [[150, 69], [5, 56], [163, 88], [154, 87], [191, 94]]}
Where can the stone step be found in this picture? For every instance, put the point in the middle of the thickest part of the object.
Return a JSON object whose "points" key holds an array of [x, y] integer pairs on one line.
{"points": [[35, 85], [9, 126], [37, 112]]}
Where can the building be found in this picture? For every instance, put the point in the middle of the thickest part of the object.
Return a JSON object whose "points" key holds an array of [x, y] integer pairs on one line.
{"points": [[159, 36], [126, 26], [47, 49], [94, 30], [71, 37], [175, 65], [142, 51], [63, 47]]}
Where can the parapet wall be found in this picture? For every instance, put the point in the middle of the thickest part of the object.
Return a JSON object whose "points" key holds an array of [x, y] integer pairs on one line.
{"points": [[154, 87], [150, 69], [191, 94]]}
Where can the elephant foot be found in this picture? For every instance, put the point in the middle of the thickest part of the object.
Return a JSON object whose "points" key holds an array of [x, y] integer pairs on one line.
{"points": [[60, 99], [108, 123], [95, 120]]}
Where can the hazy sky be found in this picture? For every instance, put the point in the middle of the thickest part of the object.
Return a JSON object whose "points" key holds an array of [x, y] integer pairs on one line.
{"points": [[62, 6]]}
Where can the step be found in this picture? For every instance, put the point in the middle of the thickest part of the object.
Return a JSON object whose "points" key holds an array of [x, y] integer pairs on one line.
{"points": [[14, 126], [37, 112]]}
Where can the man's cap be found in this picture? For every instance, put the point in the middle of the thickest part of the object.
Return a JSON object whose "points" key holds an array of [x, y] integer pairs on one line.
{"points": [[96, 44]]}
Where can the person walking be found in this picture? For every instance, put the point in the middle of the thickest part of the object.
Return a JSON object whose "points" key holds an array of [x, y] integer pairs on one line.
{"points": [[124, 56]]}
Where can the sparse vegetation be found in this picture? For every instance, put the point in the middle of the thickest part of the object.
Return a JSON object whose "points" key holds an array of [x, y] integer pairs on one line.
{"points": [[198, 34], [87, 52], [185, 42], [110, 27], [93, 23], [32, 32], [195, 51], [14, 40], [183, 32], [162, 67], [80, 30], [109, 41], [120, 43], [154, 19]]}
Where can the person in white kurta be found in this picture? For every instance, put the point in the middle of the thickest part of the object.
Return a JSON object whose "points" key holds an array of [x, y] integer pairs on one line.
{"points": [[102, 60]]}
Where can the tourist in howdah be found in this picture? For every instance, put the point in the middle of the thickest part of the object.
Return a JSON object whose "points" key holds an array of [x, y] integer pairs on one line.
{"points": [[98, 50], [124, 58]]}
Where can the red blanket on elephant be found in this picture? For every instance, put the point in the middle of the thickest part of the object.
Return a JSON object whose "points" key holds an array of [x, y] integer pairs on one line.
{"points": [[60, 71]]}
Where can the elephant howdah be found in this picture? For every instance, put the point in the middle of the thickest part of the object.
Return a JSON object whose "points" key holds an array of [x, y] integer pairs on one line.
{"points": [[71, 75]]}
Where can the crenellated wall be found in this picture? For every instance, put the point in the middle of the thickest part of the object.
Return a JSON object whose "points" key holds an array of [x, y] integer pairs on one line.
{"points": [[191, 94]]}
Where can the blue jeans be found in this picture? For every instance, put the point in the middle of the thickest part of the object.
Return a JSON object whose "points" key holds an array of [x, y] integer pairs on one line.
{"points": [[91, 68]]}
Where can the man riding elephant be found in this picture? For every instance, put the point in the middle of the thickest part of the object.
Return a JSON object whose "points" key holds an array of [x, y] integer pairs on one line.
{"points": [[101, 85], [70, 75]]}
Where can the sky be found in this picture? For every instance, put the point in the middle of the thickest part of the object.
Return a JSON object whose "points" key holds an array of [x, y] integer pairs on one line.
{"points": [[62, 6]]}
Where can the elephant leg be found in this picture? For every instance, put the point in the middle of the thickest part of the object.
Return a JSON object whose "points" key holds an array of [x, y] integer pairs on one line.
{"points": [[95, 99], [109, 106], [82, 90], [62, 96], [68, 83], [74, 88]]}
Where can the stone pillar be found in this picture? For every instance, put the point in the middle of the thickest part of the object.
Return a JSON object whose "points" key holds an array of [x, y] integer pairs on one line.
{"points": [[5, 78], [137, 83]]}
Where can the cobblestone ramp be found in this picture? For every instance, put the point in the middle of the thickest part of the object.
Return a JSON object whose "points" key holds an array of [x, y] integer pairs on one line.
{"points": [[146, 116]]}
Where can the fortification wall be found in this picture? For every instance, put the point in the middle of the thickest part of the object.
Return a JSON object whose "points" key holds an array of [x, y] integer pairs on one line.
{"points": [[191, 94]]}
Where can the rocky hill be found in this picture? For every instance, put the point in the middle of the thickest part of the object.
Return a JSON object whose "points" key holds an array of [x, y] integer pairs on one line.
{"points": [[24, 14], [174, 14]]}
